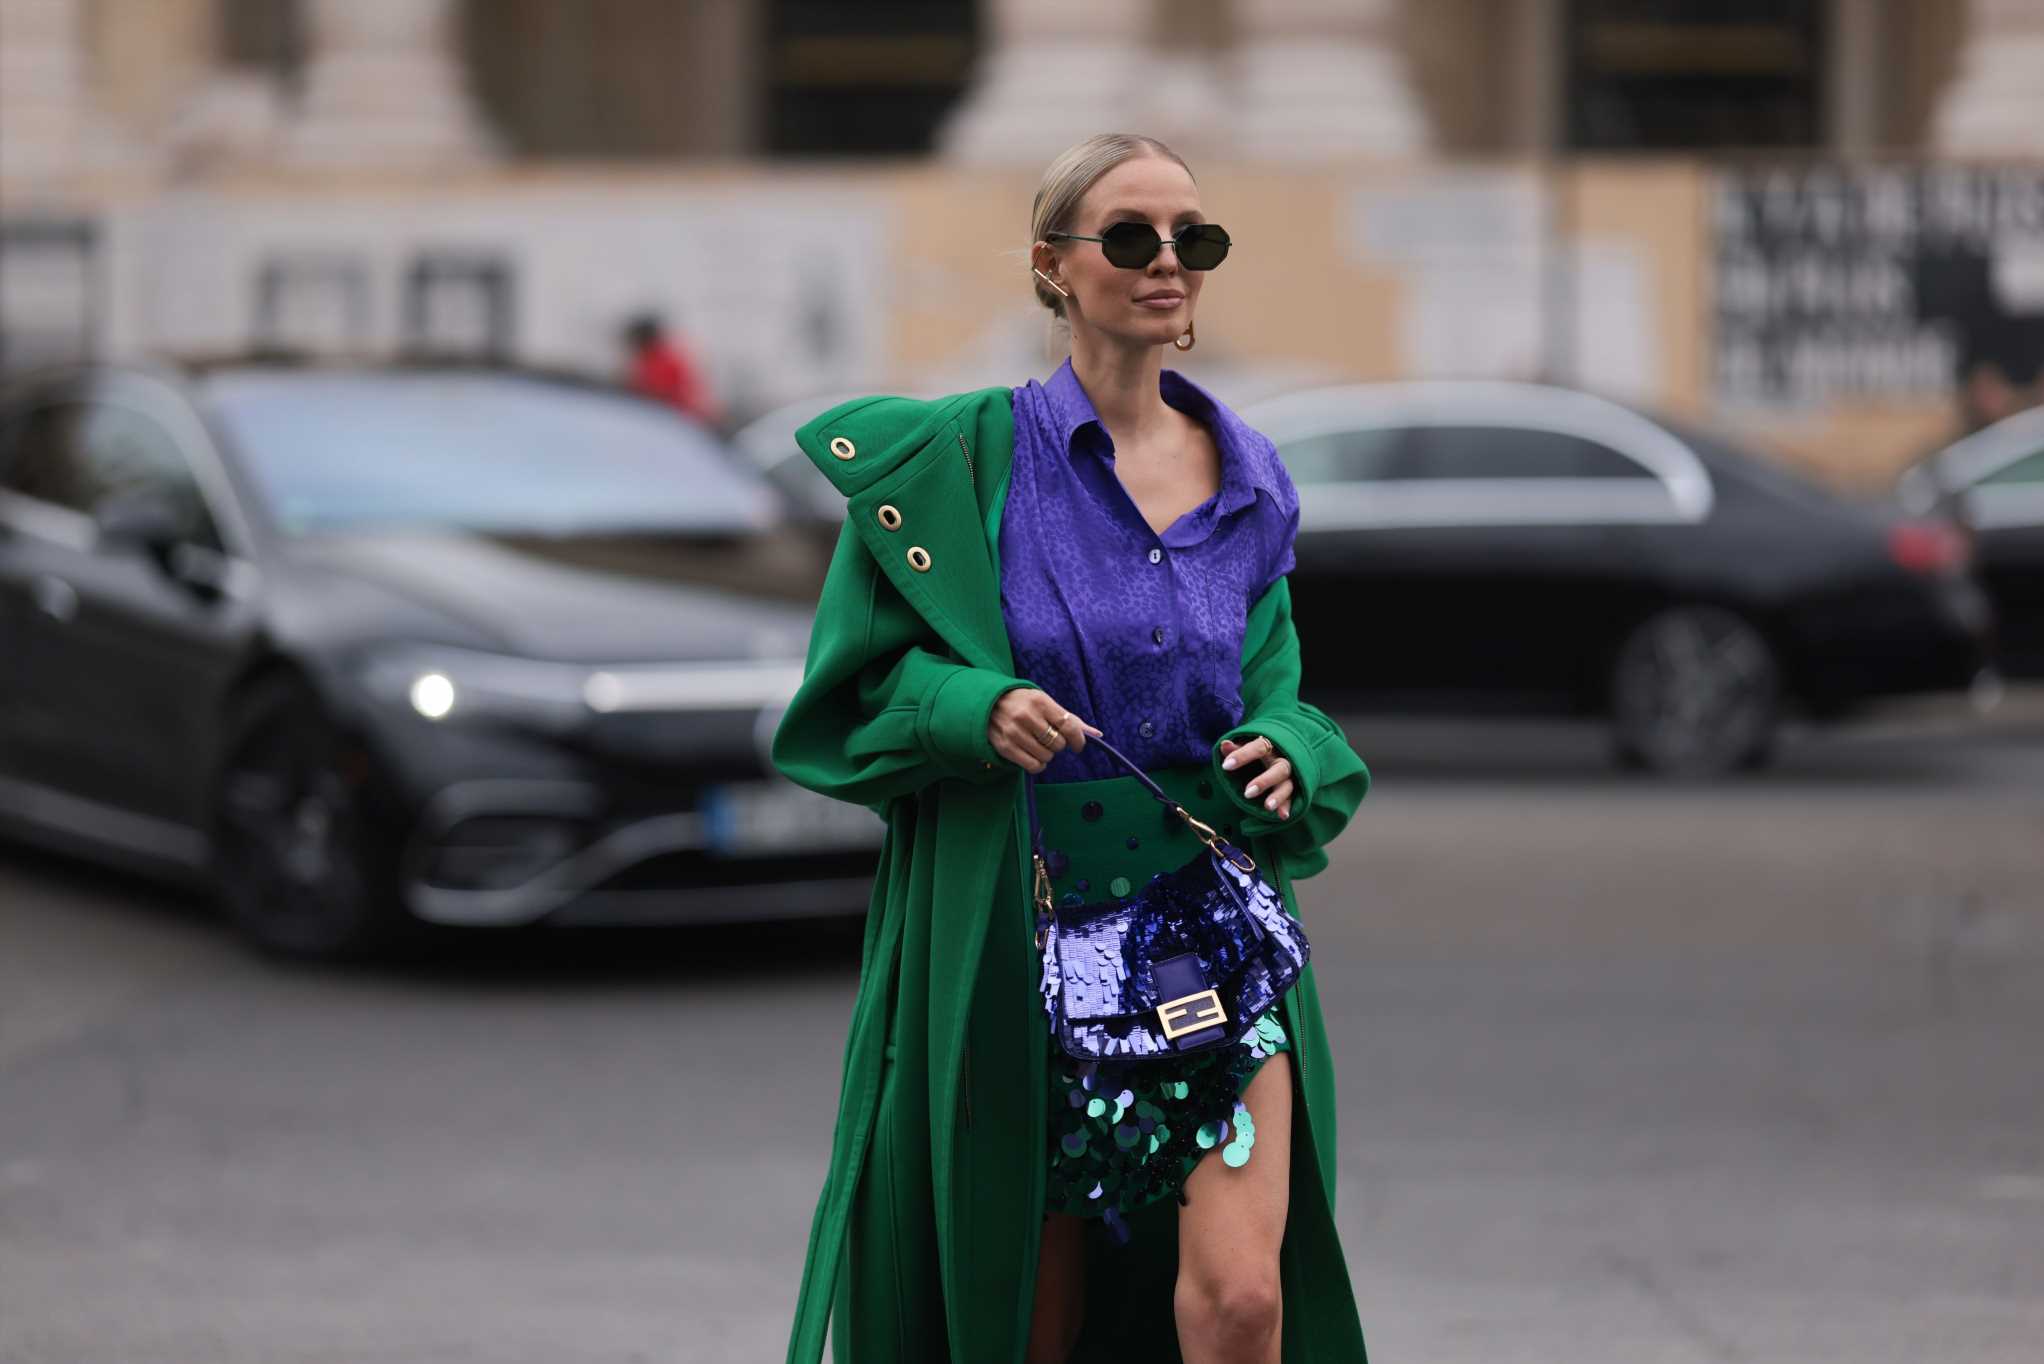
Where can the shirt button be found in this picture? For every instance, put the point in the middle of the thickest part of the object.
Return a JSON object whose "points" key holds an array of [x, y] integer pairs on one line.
{"points": [[1156, 555], [1146, 729], [1157, 635]]}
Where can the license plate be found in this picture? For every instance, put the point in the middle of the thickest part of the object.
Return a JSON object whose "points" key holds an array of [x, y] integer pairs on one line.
{"points": [[752, 818]]}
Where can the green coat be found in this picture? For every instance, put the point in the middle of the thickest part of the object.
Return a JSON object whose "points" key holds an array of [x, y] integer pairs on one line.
{"points": [[925, 1239]]}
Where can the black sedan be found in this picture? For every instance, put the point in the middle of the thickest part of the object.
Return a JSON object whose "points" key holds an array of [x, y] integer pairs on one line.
{"points": [[1503, 547], [369, 647], [1992, 483]]}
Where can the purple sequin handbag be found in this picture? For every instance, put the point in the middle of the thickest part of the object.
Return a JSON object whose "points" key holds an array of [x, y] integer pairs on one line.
{"points": [[1182, 964]]}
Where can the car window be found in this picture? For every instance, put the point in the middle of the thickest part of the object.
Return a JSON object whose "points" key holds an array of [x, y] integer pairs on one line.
{"points": [[349, 451], [2029, 469], [77, 455], [1343, 456], [1467, 452]]}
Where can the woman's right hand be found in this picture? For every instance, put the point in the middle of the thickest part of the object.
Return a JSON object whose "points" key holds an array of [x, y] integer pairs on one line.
{"points": [[1029, 729]]}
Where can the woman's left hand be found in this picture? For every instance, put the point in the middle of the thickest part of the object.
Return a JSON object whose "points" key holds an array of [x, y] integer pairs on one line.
{"points": [[1273, 783]]}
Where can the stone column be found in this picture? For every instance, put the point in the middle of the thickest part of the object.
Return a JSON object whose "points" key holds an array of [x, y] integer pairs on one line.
{"points": [[44, 113], [1321, 78], [385, 87], [1054, 72], [1995, 104]]}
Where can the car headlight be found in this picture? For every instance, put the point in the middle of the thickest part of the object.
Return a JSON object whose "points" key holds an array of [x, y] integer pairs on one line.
{"points": [[451, 684]]}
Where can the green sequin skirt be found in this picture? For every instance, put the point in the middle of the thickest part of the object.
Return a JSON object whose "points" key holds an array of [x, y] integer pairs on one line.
{"points": [[1123, 1134]]}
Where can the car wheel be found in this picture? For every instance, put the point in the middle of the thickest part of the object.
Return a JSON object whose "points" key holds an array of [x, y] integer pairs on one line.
{"points": [[1695, 691], [296, 861]]}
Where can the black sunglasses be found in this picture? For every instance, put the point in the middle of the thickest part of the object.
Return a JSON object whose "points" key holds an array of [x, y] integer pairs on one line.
{"points": [[1133, 245]]}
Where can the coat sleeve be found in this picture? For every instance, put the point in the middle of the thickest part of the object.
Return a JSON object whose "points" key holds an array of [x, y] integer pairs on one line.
{"points": [[883, 710], [1329, 777]]}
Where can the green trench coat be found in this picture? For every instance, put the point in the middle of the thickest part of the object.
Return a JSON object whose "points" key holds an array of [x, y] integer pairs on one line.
{"points": [[925, 1238]]}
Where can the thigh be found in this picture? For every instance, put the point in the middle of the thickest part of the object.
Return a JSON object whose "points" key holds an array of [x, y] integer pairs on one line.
{"points": [[1236, 1214], [1060, 1303]]}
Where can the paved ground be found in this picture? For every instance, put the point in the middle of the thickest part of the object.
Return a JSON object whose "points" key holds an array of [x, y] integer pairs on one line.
{"points": [[1627, 1073]]}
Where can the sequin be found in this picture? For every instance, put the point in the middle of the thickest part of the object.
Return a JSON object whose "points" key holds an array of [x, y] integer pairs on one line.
{"points": [[1075, 1144], [1095, 1107], [1119, 886], [1236, 1154]]}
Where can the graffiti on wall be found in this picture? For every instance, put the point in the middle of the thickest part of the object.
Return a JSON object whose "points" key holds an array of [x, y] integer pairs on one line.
{"points": [[1854, 284]]}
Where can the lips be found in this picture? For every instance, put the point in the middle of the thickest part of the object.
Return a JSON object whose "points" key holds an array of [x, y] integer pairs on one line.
{"points": [[1161, 300]]}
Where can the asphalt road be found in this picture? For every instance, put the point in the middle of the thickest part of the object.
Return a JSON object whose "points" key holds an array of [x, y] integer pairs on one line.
{"points": [[1627, 1073]]}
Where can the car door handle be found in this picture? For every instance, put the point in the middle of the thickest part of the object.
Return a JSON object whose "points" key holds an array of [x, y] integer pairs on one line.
{"points": [[55, 598]]}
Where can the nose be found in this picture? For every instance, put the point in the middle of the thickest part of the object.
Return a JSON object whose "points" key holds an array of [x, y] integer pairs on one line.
{"points": [[1157, 265]]}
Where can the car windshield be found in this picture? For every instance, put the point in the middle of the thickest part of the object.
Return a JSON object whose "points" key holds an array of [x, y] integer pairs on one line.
{"points": [[1729, 459], [484, 452]]}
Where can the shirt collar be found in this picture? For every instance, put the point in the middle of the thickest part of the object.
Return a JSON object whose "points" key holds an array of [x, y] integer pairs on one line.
{"points": [[1245, 455]]}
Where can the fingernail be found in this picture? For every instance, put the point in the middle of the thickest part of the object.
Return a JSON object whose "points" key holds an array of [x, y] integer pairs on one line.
{"points": [[1270, 804], [1228, 762]]}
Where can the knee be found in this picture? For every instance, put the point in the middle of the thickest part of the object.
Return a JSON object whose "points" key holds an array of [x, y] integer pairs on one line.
{"points": [[1239, 1308]]}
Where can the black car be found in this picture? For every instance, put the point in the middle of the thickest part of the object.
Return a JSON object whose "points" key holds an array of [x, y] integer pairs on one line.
{"points": [[370, 646], [1992, 483], [1501, 547]]}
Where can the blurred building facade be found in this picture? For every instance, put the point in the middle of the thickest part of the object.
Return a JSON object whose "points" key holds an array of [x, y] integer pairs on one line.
{"points": [[1776, 210]]}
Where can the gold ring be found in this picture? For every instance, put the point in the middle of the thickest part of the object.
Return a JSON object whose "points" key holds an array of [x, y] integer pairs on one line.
{"points": [[1049, 734]]}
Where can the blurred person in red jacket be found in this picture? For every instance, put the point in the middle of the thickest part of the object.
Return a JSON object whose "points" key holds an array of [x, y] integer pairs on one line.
{"points": [[659, 366]]}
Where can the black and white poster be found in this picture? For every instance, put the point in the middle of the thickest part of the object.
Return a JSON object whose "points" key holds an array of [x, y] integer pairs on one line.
{"points": [[1841, 285]]}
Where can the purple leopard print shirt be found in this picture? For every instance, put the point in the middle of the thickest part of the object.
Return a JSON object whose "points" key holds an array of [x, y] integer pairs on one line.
{"points": [[1137, 632]]}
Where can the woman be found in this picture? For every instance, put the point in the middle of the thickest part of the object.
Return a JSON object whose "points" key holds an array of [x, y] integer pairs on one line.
{"points": [[1104, 553]]}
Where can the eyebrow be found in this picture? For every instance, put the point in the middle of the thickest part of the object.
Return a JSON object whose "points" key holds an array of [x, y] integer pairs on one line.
{"points": [[1187, 215]]}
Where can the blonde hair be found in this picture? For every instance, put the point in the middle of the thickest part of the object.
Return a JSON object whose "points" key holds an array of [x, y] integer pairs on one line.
{"points": [[1075, 170]]}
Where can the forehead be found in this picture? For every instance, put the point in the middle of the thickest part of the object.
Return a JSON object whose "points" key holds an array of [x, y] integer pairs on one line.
{"points": [[1154, 186]]}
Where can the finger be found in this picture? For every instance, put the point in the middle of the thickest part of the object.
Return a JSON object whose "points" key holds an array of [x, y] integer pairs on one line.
{"points": [[1030, 745], [1248, 751], [1276, 770], [1280, 797], [1023, 759]]}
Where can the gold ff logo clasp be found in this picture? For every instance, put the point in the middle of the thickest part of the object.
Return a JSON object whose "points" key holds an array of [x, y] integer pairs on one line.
{"points": [[1190, 1013]]}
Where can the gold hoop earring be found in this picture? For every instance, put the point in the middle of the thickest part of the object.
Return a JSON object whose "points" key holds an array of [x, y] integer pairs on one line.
{"points": [[1188, 340], [1051, 282]]}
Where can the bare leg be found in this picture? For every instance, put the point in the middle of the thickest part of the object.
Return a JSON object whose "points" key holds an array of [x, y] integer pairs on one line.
{"points": [[1060, 1303], [1228, 1300]]}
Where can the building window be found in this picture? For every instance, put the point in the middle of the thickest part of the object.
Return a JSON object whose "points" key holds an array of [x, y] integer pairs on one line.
{"points": [[1660, 75], [263, 35], [865, 79]]}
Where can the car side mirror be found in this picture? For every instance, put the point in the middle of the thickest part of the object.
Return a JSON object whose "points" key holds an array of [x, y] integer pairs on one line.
{"points": [[144, 518]]}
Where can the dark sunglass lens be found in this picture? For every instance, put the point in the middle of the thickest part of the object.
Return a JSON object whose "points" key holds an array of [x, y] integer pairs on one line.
{"points": [[1130, 245], [1201, 246]]}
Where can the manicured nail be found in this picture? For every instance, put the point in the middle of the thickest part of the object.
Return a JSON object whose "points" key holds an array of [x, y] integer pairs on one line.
{"points": [[1270, 804], [1228, 762]]}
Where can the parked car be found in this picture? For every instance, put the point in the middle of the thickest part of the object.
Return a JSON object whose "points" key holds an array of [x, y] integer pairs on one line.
{"points": [[1992, 483], [362, 647], [1515, 547]]}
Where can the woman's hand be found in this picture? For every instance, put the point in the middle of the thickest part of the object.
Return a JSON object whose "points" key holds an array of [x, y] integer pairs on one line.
{"points": [[1274, 782], [1029, 729]]}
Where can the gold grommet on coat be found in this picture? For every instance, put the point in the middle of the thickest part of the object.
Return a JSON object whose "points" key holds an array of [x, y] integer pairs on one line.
{"points": [[919, 558], [890, 516], [842, 448]]}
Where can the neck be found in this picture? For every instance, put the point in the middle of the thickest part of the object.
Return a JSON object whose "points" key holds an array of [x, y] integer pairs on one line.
{"points": [[1122, 382]]}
